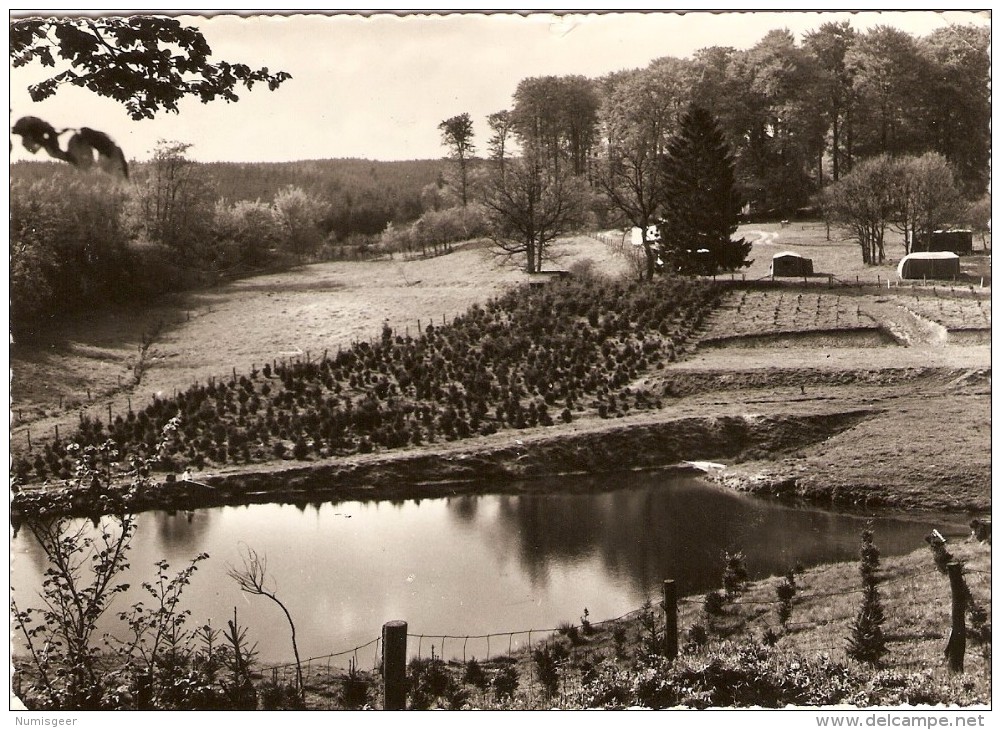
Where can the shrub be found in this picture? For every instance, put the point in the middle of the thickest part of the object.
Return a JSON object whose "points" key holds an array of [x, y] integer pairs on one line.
{"points": [[275, 695], [475, 675], [867, 642], [734, 574], [698, 637], [505, 682], [430, 682], [548, 660], [570, 631], [714, 603], [785, 592], [354, 691], [585, 623]]}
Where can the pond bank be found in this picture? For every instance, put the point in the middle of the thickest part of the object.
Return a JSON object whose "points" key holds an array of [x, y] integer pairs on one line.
{"points": [[499, 463]]}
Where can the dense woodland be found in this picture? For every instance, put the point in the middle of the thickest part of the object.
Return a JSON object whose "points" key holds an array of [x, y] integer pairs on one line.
{"points": [[797, 117]]}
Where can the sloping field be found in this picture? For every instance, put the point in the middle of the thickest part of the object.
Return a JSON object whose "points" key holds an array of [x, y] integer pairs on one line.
{"points": [[775, 351], [250, 322]]}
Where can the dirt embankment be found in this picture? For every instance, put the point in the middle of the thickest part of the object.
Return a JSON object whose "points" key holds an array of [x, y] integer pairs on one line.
{"points": [[514, 462]]}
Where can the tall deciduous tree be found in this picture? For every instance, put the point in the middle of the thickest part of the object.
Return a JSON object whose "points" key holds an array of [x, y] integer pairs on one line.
{"points": [[297, 213], [147, 63], [457, 136], [557, 115], [865, 202], [701, 201], [978, 217], [174, 198], [887, 71], [927, 197], [501, 126], [784, 138], [958, 100], [638, 116], [68, 247], [829, 45], [530, 206]]}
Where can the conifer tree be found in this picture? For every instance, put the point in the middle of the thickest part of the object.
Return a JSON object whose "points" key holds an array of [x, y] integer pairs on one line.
{"points": [[701, 200], [867, 642]]}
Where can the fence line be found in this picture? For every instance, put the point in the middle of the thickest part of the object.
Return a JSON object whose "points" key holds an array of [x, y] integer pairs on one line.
{"points": [[694, 601], [804, 596], [394, 671], [328, 657]]}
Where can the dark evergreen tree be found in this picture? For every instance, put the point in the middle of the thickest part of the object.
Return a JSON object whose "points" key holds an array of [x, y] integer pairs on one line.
{"points": [[701, 200], [867, 642]]}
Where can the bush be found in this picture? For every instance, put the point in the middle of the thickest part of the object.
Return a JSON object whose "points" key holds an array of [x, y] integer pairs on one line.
{"points": [[785, 592], [734, 574], [548, 661], [354, 691], [275, 695], [867, 642], [475, 675], [431, 684], [570, 631], [505, 682]]}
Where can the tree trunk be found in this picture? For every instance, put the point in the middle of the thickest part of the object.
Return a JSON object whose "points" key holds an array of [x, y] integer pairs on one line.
{"points": [[835, 152], [651, 260]]}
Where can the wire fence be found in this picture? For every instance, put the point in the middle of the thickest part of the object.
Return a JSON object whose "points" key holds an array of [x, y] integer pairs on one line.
{"points": [[826, 633]]}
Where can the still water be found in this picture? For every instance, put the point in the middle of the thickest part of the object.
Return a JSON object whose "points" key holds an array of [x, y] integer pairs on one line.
{"points": [[480, 564]]}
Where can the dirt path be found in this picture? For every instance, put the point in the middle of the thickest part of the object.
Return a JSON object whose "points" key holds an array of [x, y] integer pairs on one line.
{"points": [[763, 238], [909, 329]]}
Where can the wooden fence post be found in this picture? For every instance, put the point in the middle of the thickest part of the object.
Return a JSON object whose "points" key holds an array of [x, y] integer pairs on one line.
{"points": [[955, 650], [671, 619], [394, 665]]}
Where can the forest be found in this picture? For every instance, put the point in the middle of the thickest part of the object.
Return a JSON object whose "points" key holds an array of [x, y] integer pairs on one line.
{"points": [[797, 116]]}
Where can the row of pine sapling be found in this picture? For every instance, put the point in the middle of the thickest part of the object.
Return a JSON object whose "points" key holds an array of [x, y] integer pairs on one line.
{"points": [[532, 357]]}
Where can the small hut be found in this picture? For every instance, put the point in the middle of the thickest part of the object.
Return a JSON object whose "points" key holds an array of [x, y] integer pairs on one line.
{"points": [[788, 263], [929, 265], [955, 241]]}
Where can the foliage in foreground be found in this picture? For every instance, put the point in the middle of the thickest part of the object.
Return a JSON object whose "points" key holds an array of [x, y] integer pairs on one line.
{"points": [[156, 661], [749, 675]]}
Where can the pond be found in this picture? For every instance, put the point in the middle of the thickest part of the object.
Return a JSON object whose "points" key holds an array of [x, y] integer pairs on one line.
{"points": [[479, 564]]}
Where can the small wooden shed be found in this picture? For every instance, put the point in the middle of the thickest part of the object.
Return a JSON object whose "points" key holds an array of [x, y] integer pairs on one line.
{"points": [[956, 241], [789, 263], [929, 265]]}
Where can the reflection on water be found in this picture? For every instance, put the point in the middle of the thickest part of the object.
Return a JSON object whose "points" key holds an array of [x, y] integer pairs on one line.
{"points": [[478, 564]]}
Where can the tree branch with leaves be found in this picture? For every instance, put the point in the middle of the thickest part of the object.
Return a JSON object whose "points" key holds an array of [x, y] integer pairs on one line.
{"points": [[148, 63]]}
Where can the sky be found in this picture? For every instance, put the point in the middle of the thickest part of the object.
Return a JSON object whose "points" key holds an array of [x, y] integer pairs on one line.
{"points": [[377, 86]]}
